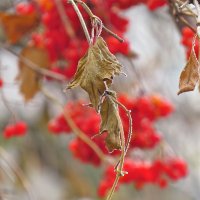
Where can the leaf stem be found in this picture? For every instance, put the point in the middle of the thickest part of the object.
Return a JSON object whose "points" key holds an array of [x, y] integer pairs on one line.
{"points": [[130, 132], [119, 170], [87, 35], [92, 16]]}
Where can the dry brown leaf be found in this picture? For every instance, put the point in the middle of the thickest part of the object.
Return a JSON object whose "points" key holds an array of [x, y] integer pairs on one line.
{"points": [[29, 79], [190, 74], [16, 26], [110, 121], [97, 66]]}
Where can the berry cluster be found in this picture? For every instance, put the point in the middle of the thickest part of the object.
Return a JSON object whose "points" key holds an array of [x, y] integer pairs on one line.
{"points": [[158, 172], [187, 41], [145, 111], [15, 130], [25, 8], [87, 121], [64, 45]]}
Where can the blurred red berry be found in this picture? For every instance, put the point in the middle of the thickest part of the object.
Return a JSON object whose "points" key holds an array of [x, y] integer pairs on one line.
{"points": [[9, 131], [25, 8], [1, 83], [20, 128]]}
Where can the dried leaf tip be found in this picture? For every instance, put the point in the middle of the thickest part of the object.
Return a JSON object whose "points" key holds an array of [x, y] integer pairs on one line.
{"points": [[110, 122], [190, 74], [97, 66]]}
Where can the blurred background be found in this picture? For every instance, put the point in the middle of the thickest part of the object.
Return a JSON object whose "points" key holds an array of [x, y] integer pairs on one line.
{"points": [[40, 166]]}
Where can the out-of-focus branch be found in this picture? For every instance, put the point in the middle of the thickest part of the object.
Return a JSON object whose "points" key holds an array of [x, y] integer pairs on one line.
{"points": [[65, 20], [33, 66], [74, 128], [10, 163]]}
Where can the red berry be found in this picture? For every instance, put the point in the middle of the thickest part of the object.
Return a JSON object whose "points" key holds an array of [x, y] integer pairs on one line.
{"points": [[9, 131], [54, 127], [20, 128], [25, 8]]}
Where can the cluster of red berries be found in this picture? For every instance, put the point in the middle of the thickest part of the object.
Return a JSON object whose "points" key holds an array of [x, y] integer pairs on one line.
{"points": [[187, 41], [15, 130], [64, 45], [158, 172], [87, 121], [25, 9], [145, 111]]}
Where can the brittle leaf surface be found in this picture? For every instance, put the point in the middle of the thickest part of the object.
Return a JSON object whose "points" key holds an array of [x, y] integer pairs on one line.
{"points": [[190, 74], [29, 79], [110, 122], [97, 66]]}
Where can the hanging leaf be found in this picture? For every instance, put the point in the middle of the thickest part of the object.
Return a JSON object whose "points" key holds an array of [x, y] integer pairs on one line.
{"points": [[110, 122], [16, 26], [190, 74], [29, 79], [97, 66]]}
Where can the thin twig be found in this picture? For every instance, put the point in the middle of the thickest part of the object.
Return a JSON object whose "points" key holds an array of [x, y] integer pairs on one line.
{"points": [[113, 34], [35, 67], [184, 5], [92, 16], [74, 128], [130, 132], [65, 20], [87, 35], [196, 3], [5, 102], [119, 170], [120, 164], [183, 20], [18, 173], [176, 8]]}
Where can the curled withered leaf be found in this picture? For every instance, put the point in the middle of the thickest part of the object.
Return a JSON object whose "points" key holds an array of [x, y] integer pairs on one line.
{"points": [[16, 26], [110, 122], [190, 74], [29, 79], [97, 66]]}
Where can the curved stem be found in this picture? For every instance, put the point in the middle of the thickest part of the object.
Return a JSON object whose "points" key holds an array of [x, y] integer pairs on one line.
{"points": [[87, 35], [130, 132], [92, 16], [119, 169]]}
